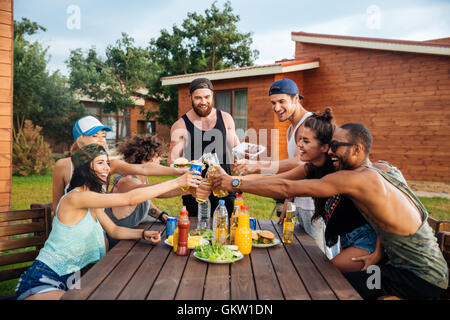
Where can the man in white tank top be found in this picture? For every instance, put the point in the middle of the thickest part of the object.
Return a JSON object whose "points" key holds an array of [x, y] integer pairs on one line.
{"points": [[285, 100]]}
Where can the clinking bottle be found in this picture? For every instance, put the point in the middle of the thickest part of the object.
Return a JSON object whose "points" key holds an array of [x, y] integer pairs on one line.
{"points": [[243, 233], [238, 202], [183, 233]]}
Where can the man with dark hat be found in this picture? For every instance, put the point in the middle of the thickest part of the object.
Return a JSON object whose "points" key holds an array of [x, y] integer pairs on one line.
{"points": [[201, 130]]}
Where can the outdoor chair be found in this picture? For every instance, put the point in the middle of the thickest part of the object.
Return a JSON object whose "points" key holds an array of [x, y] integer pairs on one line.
{"points": [[26, 232]]}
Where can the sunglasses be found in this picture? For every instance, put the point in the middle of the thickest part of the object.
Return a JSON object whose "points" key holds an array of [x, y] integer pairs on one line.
{"points": [[335, 144]]}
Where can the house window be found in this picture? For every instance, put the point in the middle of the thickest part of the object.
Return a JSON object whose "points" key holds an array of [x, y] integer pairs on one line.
{"points": [[146, 127], [235, 103]]}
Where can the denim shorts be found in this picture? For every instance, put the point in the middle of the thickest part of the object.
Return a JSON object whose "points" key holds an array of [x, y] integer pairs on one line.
{"points": [[363, 237], [39, 278]]}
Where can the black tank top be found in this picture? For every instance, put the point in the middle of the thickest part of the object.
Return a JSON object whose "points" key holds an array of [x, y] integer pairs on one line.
{"points": [[213, 140]]}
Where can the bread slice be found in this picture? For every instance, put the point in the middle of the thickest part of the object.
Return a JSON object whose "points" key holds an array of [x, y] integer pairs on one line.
{"points": [[266, 235]]}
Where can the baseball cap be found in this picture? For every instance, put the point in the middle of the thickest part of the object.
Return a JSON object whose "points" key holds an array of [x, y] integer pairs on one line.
{"points": [[200, 83], [86, 154], [88, 126], [284, 86]]}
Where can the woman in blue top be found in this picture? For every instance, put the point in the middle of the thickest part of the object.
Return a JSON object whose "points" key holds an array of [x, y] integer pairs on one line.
{"points": [[76, 239]]}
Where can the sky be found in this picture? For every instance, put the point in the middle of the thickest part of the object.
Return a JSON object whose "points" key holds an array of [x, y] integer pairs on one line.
{"points": [[73, 24]]}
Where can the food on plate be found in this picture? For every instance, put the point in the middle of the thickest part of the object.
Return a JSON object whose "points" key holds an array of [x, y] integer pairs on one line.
{"points": [[217, 252], [182, 163], [206, 234], [193, 241], [263, 237]]}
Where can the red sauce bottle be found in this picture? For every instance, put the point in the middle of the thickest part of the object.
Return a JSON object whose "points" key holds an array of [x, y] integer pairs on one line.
{"points": [[183, 233]]}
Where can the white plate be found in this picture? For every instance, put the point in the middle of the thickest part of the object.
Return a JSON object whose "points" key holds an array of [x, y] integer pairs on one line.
{"points": [[202, 242], [220, 262], [268, 245]]}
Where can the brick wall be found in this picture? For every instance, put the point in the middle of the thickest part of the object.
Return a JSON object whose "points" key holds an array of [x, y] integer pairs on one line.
{"points": [[6, 94], [403, 98]]}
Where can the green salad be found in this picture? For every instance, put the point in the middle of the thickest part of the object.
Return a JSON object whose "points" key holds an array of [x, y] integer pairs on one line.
{"points": [[206, 234], [217, 252]]}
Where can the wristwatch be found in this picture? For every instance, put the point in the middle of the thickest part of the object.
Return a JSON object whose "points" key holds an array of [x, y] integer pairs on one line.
{"points": [[236, 183]]}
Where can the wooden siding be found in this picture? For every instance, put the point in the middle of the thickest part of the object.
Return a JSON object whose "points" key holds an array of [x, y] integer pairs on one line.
{"points": [[403, 98], [6, 95]]}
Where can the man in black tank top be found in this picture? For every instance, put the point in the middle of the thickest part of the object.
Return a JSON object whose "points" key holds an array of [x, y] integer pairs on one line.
{"points": [[201, 130]]}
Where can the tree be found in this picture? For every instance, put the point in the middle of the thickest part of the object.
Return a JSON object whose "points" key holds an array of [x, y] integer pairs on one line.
{"points": [[111, 82], [202, 43], [39, 95]]}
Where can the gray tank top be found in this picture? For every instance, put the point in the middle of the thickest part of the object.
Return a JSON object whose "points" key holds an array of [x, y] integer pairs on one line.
{"points": [[419, 252], [136, 217]]}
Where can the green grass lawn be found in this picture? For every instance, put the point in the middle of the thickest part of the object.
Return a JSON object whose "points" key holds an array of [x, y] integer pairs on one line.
{"points": [[38, 189]]}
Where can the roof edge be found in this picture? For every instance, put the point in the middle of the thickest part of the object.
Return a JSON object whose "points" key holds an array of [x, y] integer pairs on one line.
{"points": [[373, 43]]}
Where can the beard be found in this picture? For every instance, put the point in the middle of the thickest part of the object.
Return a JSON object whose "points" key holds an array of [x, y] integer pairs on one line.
{"points": [[202, 112]]}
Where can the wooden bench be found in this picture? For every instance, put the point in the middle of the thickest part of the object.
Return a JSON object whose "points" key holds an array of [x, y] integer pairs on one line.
{"points": [[26, 232]]}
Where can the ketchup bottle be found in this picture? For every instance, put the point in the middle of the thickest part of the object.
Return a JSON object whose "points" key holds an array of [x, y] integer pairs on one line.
{"points": [[183, 233]]}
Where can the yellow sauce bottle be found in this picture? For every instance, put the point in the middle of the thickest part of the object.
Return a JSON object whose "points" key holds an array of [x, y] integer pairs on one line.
{"points": [[243, 237]]}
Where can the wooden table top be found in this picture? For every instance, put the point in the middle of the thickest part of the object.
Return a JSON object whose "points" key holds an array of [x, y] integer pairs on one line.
{"points": [[136, 270]]}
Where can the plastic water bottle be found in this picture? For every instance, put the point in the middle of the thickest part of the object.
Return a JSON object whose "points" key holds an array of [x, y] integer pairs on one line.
{"points": [[204, 214], [220, 233]]}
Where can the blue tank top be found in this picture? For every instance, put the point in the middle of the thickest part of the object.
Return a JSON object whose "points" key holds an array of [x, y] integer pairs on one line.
{"points": [[70, 248]]}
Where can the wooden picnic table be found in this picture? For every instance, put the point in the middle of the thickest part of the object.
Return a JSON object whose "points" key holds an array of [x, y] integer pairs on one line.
{"points": [[136, 270]]}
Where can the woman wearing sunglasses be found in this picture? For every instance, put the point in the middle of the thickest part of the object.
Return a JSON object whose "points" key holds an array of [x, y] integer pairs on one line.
{"points": [[359, 244]]}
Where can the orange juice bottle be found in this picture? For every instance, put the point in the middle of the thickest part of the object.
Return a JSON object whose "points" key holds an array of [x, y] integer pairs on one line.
{"points": [[234, 217], [243, 238]]}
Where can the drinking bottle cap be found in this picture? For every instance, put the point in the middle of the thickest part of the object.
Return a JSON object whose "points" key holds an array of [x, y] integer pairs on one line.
{"points": [[244, 207], [184, 212], [221, 202]]}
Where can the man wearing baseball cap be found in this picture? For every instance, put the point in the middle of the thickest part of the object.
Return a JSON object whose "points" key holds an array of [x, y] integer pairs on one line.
{"points": [[201, 130]]}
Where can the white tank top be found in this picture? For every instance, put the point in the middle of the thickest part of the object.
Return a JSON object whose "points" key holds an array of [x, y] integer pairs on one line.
{"points": [[305, 203]]}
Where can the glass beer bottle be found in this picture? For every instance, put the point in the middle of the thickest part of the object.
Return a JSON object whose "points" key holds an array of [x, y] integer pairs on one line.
{"points": [[288, 224]]}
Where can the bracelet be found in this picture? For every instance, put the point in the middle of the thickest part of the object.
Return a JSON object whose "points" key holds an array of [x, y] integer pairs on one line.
{"points": [[160, 216], [143, 231]]}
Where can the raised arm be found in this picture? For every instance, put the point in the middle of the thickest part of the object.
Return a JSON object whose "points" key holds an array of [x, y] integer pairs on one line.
{"points": [[90, 199], [147, 169], [342, 182]]}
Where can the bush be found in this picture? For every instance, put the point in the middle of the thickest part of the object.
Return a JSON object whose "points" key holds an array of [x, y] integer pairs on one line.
{"points": [[31, 154]]}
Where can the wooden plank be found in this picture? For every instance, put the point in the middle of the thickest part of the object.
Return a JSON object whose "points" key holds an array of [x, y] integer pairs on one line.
{"points": [[317, 287], [139, 286], [217, 285], [11, 273], [21, 243], [192, 283], [95, 276], [166, 284], [290, 282], [266, 280], [11, 230], [14, 258], [21, 215], [242, 282], [114, 283], [335, 279], [6, 5]]}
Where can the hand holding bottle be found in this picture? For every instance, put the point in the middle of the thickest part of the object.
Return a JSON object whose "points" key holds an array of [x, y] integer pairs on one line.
{"points": [[189, 179]]}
